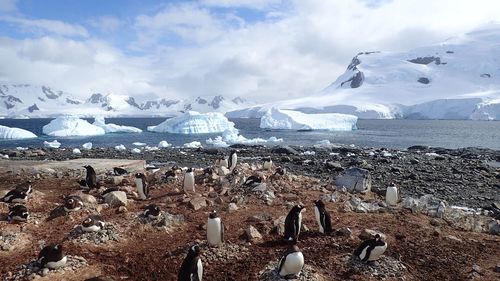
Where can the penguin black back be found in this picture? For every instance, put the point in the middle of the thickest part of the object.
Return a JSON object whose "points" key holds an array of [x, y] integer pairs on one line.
{"points": [[293, 222], [51, 253], [91, 177], [369, 245], [190, 270], [324, 217], [119, 171]]}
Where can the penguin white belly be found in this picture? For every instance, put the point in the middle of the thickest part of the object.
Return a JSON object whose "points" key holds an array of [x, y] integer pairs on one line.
{"points": [[377, 252], [18, 218], [300, 223], [92, 228], [214, 232], [293, 264], [391, 196], [19, 200], [189, 183], [318, 219], [268, 165], [223, 163], [57, 264], [199, 266], [234, 159], [140, 188]]}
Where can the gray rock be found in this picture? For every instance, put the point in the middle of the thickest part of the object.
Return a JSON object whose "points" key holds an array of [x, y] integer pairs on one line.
{"points": [[358, 206], [284, 150], [494, 227], [232, 207], [344, 231], [197, 203], [116, 199], [253, 234], [355, 180]]}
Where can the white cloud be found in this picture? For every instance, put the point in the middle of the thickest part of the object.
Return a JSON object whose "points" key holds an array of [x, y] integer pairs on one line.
{"points": [[44, 26], [106, 23], [8, 5], [254, 4]]}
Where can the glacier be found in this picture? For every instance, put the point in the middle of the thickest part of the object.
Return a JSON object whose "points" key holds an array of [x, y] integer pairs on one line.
{"points": [[15, 133], [113, 128], [294, 120], [66, 126], [193, 122]]}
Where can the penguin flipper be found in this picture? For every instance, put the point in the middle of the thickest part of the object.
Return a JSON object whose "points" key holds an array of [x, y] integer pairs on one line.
{"points": [[221, 231], [327, 223], [282, 262]]}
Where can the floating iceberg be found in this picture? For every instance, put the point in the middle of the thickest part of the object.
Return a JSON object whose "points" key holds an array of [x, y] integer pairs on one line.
{"points": [[193, 122], [164, 144], [52, 144], [232, 136], [294, 120], [193, 144], [15, 133], [87, 146], [113, 128], [120, 147], [76, 151], [135, 150], [139, 144], [65, 126]]}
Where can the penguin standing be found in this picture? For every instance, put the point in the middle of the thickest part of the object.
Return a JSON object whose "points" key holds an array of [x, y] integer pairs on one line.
{"points": [[221, 162], [73, 203], [83, 184], [52, 257], [392, 195], [142, 186], [268, 163], [292, 262], [18, 213], [152, 211], [233, 159], [371, 249], [91, 177], [92, 224], [119, 171], [188, 182], [192, 267], [293, 222], [322, 217], [215, 229], [15, 196]]}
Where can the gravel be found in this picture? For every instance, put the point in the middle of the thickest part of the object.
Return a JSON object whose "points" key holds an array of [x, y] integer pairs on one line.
{"points": [[164, 221], [108, 233], [383, 268], [308, 273], [32, 269]]}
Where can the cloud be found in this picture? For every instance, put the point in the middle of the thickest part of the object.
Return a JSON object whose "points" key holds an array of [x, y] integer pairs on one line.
{"points": [[8, 5], [254, 4], [106, 24], [46, 26]]}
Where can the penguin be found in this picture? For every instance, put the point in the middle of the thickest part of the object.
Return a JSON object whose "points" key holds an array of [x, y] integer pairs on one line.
{"points": [[215, 229], [15, 196], [83, 184], [371, 249], [293, 222], [142, 186], [268, 163], [188, 182], [253, 181], [279, 172], [108, 190], [119, 171], [91, 177], [52, 257], [92, 224], [152, 211], [171, 174], [152, 168], [26, 187], [192, 267], [392, 195], [72, 203], [18, 213], [233, 159], [322, 217], [221, 162], [292, 262]]}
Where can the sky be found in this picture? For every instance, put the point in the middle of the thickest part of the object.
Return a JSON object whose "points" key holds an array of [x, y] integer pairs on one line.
{"points": [[257, 49]]}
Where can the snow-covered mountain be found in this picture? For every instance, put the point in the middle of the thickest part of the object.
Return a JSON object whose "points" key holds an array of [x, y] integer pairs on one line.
{"points": [[458, 79], [40, 101]]}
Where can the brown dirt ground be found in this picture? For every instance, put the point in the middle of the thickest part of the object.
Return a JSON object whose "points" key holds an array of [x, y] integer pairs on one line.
{"points": [[143, 252]]}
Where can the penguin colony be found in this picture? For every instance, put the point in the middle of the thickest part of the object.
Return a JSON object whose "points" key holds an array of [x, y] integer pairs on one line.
{"points": [[290, 264]]}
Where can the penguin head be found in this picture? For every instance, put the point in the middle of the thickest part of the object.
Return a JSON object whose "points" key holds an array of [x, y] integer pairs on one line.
{"points": [[57, 248], [175, 168], [298, 208], [25, 215], [87, 167], [280, 171], [267, 159], [153, 208], [208, 171], [213, 214], [195, 250], [319, 203], [139, 175], [189, 170], [379, 240]]}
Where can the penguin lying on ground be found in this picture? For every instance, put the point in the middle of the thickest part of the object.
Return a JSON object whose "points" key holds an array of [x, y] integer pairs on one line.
{"points": [[52, 257], [18, 213], [15, 196], [371, 249], [171, 174], [72, 203], [152, 211], [25, 186], [292, 261], [279, 172], [253, 181], [119, 171], [293, 223], [192, 267], [142, 186], [322, 217], [215, 229], [92, 224]]}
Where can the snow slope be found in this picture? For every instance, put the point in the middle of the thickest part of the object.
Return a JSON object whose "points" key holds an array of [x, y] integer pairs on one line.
{"points": [[15, 133], [66, 126], [295, 120], [193, 122]]}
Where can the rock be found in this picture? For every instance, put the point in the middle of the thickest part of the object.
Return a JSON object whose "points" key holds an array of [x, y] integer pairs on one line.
{"points": [[336, 166], [494, 227], [118, 180], [197, 203], [86, 198], [232, 207], [477, 268], [116, 199], [122, 209], [358, 206], [284, 150], [253, 234], [355, 180], [279, 225], [344, 231]]}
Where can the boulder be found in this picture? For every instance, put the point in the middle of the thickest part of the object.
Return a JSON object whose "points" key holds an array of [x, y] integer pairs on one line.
{"points": [[253, 234], [116, 199], [355, 180], [359, 206], [232, 207], [197, 203]]}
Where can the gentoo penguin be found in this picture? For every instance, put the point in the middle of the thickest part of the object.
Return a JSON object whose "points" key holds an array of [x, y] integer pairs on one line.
{"points": [[392, 195], [92, 224], [119, 171], [15, 196], [292, 262], [253, 181], [73, 203], [221, 162], [171, 174], [52, 257], [215, 229], [83, 184], [371, 249], [91, 177], [108, 190], [25, 186], [152, 168], [232, 161], [188, 182], [268, 163], [18, 213], [191, 268], [142, 186], [293, 222], [279, 172], [322, 217], [152, 211]]}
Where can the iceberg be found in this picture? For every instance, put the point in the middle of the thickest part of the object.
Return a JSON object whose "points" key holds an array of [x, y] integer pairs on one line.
{"points": [[120, 147], [294, 120], [193, 144], [139, 144], [66, 126], [232, 136], [87, 146], [193, 122], [113, 128], [15, 133], [135, 150], [76, 151], [164, 144], [52, 144]]}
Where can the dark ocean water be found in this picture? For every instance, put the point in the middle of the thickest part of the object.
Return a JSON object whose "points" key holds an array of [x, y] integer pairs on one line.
{"points": [[373, 133]]}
